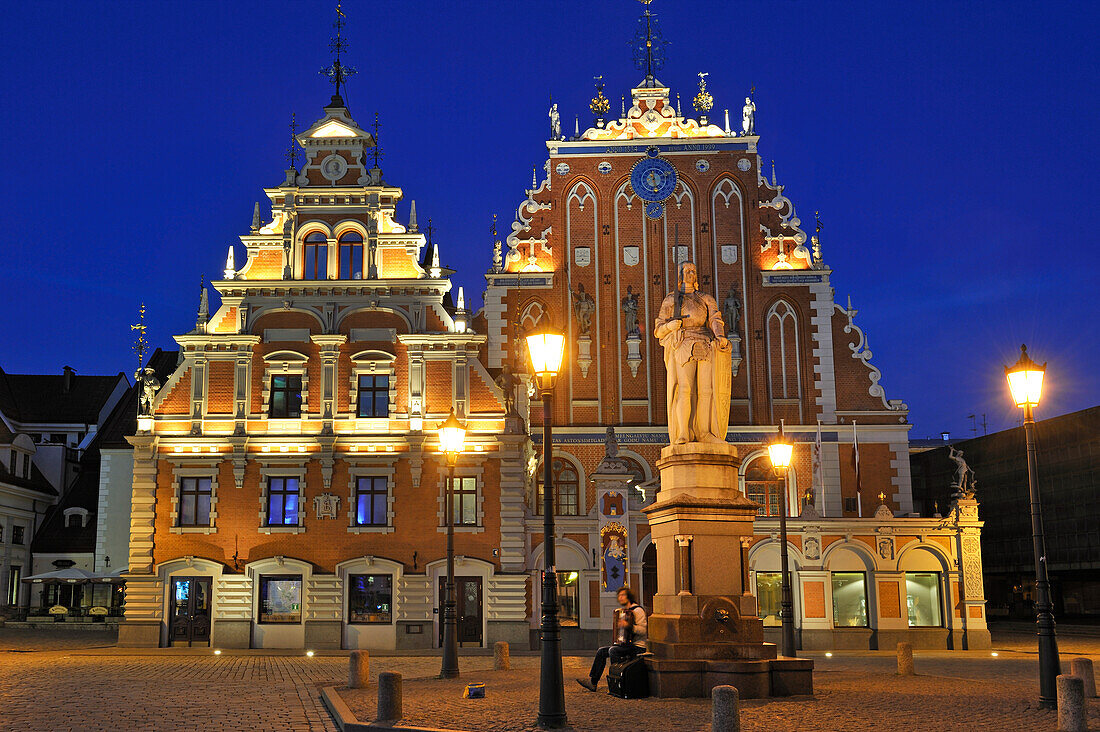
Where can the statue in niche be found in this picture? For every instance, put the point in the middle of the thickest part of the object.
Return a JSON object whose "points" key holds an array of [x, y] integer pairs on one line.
{"points": [[555, 122], [731, 312], [584, 307], [150, 385], [630, 312], [748, 117], [610, 444], [964, 485], [507, 382], [698, 361]]}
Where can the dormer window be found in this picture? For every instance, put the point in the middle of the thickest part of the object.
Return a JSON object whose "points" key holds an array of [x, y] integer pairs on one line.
{"points": [[76, 517], [315, 264], [351, 256]]}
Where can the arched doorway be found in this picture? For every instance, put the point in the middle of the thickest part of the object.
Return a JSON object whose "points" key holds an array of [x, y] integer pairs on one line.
{"points": [[649, 577]]}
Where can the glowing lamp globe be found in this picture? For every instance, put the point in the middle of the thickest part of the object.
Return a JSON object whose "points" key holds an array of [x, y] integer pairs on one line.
{"points": [[1025, 380], [452, 434], [780, 453], [547, 348]]}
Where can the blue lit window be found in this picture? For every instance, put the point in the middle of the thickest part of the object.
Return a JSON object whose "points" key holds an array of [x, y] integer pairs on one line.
{"points": [[282, 501], [371, 499]]}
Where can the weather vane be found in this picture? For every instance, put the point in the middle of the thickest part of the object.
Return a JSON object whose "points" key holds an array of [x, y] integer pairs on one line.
{"points": [[599, 104], [141, 345], [292, 148], [649, 45], [703, 101], [377, 145], [817, 222], [338, 73]]}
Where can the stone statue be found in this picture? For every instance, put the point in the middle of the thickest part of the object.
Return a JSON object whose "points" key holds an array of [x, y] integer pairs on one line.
{"points": [[964, 484], [507, 383], [630, 311], [697, 362], [611, 444], [555, 122], [748, 117], [731, 312], [584, 306], [149, 385]]}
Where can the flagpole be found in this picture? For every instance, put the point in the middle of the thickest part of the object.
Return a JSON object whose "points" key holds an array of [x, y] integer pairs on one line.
{"points": [[855, 460]]}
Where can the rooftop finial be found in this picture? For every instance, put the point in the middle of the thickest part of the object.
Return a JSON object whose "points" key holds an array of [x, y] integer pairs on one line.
{"points": [[498, 260], [703, 101], [815, 241], [256, 217], [649, 46], [599, 104], [230, 271], [461, 299], [377, 145], [773, 173], [337, 73], [534, 177], [292, 147], [204, 306], [412, 217], [141, 345]]}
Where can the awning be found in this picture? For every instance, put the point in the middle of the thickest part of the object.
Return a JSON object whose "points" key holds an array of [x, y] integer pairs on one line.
{"points": [[74, 576]]}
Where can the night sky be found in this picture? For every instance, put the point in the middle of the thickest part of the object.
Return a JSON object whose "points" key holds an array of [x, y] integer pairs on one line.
{"points": [[950, 148]]}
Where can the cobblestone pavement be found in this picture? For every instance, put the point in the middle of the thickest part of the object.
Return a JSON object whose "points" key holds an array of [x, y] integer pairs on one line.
{"points": [[68, 680]]}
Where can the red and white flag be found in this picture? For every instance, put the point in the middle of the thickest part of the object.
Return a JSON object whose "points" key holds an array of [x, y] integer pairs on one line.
{"points": [[855, 465]]}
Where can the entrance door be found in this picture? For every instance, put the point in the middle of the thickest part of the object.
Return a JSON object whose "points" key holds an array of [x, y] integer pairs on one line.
{"points": [[468, 609], [189, 623]]}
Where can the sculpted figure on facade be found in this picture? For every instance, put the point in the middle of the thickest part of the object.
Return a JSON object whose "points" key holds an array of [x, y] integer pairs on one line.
{"points": [[555, 122], [697, 361], [507, 382], [731, 312], [964, 484], [748, 117], [150, 385], [584, 307], [630, 312]]}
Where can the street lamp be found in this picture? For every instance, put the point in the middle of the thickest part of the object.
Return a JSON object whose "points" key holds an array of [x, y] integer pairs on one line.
{"points": [[780, 450], [547, 347], [452, 437], [1025, 381]]}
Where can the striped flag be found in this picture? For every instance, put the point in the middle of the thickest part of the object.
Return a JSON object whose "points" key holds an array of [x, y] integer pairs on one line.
{"points": [[855, 465]]}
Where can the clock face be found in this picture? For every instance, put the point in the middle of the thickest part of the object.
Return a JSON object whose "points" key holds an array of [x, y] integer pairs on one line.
{"points": [[653, 179], [654, 210]]}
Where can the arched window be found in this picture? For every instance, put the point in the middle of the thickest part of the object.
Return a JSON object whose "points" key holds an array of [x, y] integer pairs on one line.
{"points": [[783, 359], [315, 256], [351, 256], [762, 486], [567, 488]]}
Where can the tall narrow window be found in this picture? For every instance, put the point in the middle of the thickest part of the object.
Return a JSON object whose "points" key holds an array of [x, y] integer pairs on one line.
{"points": [[569, 606], [351, 256], [195, 501], [762, 486], [315, 257], [850, 599], [17, 535], [374, 395], [922, 599], [14, 575], [566, 488], [371, 501], [286, 396], [465, 501], [282, 501], [768, 588]]}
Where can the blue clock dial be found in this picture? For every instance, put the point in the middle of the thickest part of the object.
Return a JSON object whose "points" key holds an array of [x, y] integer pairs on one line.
{"points": [[653, 179], [654, 210]]}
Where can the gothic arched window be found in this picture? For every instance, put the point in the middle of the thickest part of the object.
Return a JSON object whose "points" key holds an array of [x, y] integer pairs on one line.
{"points": [[762, 486], [567, 488], [315, 256], [351, 256]]}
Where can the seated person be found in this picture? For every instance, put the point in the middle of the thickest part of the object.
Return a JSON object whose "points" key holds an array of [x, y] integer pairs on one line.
{"points": [[630, 635]]}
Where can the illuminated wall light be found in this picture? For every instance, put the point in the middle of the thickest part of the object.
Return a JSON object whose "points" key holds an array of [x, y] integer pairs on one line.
{"points": [[196, 449], [477, 448], [266, 448], [218, 652], [994, 654], [353, 448], [389, 448], [179, 449], [284, 448], [828, 655], [301, 448], [309, 654]]}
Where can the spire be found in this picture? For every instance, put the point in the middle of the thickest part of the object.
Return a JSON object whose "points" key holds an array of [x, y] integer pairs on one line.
{"points": [[435, 270], [204, 307], [337, 73], [649, 46], [412, 217], [534, 177], [727, 122], [230, 272], [460, 313], [461, 299], [255, 219], [622, 102], [773, 174], [576, 126]]}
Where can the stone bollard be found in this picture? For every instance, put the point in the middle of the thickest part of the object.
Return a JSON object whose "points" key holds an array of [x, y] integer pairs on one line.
{"points": [[905, 659], [1082, 669], [501, 660], [389, 697], [358, 669], [725, 711], [1071, 704]]}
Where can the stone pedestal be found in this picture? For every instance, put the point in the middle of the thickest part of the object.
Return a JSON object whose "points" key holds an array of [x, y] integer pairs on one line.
{"points": [[704, 630]]}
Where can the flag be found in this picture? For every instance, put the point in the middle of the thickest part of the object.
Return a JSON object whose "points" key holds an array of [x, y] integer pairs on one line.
{"points": [[819, 482], [855, 466]]}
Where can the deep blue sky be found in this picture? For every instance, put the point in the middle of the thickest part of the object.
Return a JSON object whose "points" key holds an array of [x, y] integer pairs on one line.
{"points": [[950, 148]]}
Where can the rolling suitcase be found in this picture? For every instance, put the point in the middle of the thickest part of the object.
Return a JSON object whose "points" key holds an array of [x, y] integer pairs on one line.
{"points": [[628, 679]]}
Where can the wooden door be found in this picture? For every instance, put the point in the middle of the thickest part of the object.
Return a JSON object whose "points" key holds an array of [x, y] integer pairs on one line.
{"points": [[468, 608], [189, 617]]}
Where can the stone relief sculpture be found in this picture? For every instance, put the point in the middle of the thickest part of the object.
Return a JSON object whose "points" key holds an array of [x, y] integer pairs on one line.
{"points": [[697, 361], [748, 117], [630, 312], [150, 385], [731, 312], [584, 306]]}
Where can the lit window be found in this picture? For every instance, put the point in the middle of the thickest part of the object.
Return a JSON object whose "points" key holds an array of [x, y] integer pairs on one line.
{"points": [[465, 501], [351, 256], [566, 488], [282, 501], [370, 598], [769, 589], [286, 397], [315, 256], [569, 606], [922, 598], [374, 396], [194, 502], [371, 501], [849, 600], [280, 598], [762, 486], [17, 535], [15, 573]]}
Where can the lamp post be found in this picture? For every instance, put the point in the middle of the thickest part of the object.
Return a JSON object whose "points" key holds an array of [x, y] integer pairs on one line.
{"points": [[779, 450], [1025, 382], [547, 347], [452, 437]]}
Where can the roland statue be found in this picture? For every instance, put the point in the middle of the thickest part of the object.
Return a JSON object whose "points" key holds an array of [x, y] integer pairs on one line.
{"points": [[697, 362]]}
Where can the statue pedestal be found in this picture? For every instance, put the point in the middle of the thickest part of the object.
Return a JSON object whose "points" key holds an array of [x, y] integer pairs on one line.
{"points": [[704, 630]]}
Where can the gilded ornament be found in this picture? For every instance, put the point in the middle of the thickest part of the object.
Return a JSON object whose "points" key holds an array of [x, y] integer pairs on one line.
{"points": [[703, 101]]}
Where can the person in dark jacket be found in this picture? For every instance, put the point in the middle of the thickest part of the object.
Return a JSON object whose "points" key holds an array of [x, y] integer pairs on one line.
{"points": [[630, 635]]}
